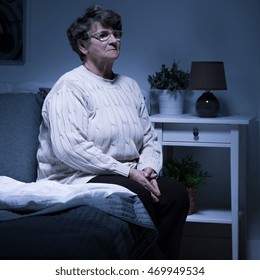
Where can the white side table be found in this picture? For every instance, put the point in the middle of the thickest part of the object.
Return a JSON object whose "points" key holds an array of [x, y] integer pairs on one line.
{"points": [[223, 132]]}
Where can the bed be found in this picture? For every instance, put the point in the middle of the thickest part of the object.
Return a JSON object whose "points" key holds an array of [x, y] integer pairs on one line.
{"points": [[39, 222]]}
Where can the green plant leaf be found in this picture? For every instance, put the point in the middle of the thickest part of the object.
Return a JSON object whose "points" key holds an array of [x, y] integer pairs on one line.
{"points": [[169, 78], [186, 170]]}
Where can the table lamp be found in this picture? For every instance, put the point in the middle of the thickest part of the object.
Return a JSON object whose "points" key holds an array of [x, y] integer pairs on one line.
{"points": [[207, 75]]}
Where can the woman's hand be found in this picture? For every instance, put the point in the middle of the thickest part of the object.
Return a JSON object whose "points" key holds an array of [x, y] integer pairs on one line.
{"points": [[151, 175], [146, 178]]}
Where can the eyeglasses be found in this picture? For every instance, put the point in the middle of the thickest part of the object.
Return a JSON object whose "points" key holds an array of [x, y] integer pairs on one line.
{"points": [[105, 35]]}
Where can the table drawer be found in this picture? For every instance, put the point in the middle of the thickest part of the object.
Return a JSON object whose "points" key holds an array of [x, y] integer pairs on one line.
{"points": [[196, 133]]}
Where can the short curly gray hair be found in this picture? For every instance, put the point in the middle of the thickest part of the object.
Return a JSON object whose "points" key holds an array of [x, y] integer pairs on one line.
{"points": [[79, 29]]}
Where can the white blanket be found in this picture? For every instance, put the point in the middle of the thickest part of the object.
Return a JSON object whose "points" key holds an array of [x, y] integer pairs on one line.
{"points": [[16, 195]]}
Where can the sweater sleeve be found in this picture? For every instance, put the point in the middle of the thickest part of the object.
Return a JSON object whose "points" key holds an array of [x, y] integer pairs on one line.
{"points": [[151, 151], [66, 117]]}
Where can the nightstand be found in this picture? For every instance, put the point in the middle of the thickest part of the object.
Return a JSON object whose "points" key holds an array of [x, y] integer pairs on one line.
{"points": [[222, 132]]}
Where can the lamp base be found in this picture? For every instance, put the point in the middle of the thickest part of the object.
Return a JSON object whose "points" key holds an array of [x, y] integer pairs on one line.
{"points": [[207, 105]]}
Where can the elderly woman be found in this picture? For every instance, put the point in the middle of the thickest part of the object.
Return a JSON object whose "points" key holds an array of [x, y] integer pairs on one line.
{"points": [[96, 128]]}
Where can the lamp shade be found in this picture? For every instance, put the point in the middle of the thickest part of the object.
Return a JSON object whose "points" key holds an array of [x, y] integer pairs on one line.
{"points": [[207, 75]]}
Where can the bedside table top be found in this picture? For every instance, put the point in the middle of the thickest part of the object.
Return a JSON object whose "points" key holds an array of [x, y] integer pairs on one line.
{"points": [[188, 118]]}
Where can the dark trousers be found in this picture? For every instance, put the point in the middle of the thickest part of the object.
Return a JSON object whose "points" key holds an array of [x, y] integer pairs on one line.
{"points": [[168, 215]]}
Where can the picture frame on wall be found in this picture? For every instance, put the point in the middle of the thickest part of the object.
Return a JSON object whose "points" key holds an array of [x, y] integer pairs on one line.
{"points": [[12, 32]]}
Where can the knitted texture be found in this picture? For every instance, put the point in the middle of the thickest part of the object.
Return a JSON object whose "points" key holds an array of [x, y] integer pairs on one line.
{"points": [[95, 126]]}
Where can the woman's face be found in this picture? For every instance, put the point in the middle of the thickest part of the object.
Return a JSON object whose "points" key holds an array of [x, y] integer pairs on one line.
{"points": [[101, 50]]}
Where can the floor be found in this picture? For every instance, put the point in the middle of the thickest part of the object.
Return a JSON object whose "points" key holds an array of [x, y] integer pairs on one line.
{"points": [[206, 242]]}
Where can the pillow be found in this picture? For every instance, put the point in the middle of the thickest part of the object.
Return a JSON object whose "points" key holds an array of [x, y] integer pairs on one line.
{"points": [[20, 118]]}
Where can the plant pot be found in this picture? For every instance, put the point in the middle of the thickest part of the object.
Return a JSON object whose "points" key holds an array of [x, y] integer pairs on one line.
{"points": [[171, 102], [192, 197]]}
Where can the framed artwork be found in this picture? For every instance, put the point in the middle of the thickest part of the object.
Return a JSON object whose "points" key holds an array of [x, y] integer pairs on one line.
{"points": [[12, 32]]}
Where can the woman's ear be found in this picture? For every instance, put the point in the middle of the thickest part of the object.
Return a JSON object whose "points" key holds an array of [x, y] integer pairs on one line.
{"points": [[82, 46]]}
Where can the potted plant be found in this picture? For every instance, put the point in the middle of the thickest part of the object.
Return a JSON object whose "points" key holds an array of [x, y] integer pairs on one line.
{"points": [[190, 173], [171, 83]]}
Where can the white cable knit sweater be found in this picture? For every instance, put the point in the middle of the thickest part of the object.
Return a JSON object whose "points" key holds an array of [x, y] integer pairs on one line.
{"points": [[95, 126]]}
